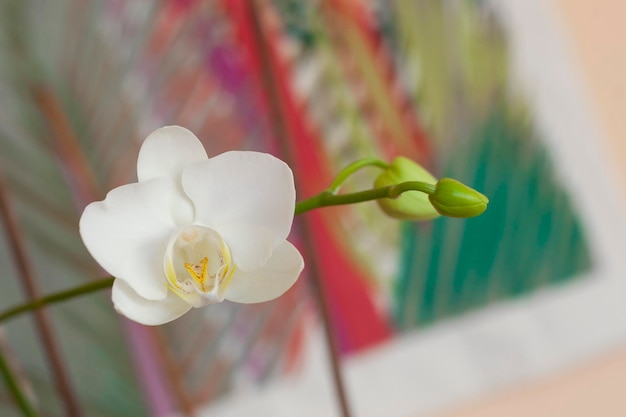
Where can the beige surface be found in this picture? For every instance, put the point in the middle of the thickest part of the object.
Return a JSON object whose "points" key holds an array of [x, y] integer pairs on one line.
{"points": [[598, 33], [597, 388]]}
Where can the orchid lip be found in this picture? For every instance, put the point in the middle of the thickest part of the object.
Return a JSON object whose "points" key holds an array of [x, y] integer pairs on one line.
{"points": [[198, 265]]}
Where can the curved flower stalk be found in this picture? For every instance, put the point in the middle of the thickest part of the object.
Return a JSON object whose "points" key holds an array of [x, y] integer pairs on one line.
{"points": [[409, 205], [194, 231], [445, 197]]}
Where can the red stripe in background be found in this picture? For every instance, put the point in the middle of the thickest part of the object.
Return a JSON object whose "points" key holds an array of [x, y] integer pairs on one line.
{"points": [[354, 13], [358, 324]]}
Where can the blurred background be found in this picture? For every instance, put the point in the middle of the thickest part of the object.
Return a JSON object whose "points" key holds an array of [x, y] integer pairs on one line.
{"points": [[517, 312]]}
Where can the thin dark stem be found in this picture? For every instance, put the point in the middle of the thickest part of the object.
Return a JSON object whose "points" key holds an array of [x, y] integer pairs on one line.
{"points": [[13, 385], [331, 340], [27, 278], [81, 178], [278, 120]]}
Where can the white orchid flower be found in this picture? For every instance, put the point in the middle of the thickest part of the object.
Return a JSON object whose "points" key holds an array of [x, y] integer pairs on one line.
{"points": [[194, 231]]}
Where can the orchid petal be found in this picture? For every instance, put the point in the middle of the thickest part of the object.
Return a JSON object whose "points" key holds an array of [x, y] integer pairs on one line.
{"points": [[127, 233], [249, 197], [278, 275], [148, 312], [167, 152]]}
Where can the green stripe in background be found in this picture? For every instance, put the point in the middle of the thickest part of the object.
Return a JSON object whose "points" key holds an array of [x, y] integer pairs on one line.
{"points": [[530, 236]]}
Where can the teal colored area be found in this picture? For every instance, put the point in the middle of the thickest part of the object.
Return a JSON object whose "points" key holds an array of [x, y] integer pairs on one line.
{"points": [[529, 237]]}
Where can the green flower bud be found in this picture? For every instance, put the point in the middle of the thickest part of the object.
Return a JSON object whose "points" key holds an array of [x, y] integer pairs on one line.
{"points": [[410, 205], [454, 199]]}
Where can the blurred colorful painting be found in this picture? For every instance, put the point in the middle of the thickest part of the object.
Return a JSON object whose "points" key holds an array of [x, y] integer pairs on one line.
{"points": [[318, 83]]}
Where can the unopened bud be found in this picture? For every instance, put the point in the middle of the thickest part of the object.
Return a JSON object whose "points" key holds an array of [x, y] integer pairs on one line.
{"points": [[454, 199]]}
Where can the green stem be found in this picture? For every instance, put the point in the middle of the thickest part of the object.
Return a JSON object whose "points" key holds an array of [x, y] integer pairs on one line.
{"points": [[14, 387], [327, 198], [324, 199], [351, 169], [57, 297]]}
